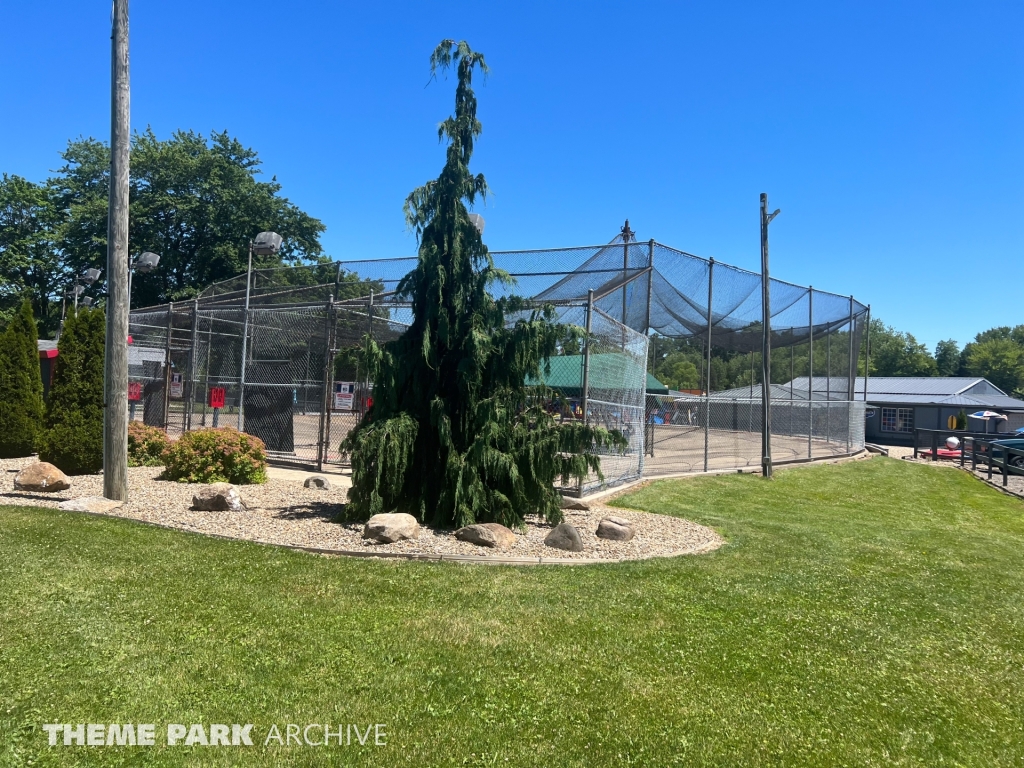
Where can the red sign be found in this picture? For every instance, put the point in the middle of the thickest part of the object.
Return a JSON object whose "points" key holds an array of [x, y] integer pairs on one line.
{"points": [[216, 397], [134, 390]]}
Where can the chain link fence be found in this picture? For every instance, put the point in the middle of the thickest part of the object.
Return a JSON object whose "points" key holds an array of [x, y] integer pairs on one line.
{"points": [[275, 353]]}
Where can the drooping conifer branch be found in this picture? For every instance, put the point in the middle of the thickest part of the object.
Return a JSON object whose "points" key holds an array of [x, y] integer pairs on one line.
{"points": [[455, 435]]}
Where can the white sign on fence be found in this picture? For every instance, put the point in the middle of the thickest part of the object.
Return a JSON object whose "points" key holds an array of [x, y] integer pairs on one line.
{"points": [[344, 395], [177, 387]]}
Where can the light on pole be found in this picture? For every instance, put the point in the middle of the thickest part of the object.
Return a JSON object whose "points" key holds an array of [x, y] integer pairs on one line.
{"points": [[264, 244], [477, 221], [143, 264]]}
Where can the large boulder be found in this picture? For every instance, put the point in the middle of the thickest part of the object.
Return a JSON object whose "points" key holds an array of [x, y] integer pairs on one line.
{"points": [[218, 497], [317, 482], [391, 527], [615, 529], [95, 504], [487, 535], [570, 503], [41, 476], [564, 536]]}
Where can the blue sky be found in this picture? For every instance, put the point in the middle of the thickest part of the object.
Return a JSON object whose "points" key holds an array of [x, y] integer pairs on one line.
{"points": [[891, 134]]}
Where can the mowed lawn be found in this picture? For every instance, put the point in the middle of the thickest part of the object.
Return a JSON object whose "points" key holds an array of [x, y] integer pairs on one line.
{"points": [[864, 614]]}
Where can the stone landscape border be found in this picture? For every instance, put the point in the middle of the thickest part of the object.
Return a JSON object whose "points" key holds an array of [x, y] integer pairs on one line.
{"points": [[604, 495]]}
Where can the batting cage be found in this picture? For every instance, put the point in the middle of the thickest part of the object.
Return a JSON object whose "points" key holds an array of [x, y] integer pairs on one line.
{"points": [[275, 352]]}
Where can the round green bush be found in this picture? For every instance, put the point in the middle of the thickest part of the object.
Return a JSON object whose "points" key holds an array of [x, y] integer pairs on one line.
{"points": [[146, 445], [216, 456]]}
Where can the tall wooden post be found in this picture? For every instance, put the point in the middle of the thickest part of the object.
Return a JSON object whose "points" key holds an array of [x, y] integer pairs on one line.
{"points": [[115, 364]]}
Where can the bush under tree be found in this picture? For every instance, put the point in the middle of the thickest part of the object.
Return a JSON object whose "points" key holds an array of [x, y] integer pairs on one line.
{"points": [[222, 455], [73, 438], [21, 386], [454, 435], [146, 445]]}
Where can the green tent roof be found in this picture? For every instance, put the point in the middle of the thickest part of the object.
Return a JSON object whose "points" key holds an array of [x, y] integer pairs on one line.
{"points": [[608, 370]]}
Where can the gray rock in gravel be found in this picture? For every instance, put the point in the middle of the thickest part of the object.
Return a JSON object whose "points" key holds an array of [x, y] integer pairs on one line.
{"points": [[564, 536], [96, 504], [391, 527], [571, 503], [41, 476], [317, 482], [218, 497], [487, 535], [615, 529]]}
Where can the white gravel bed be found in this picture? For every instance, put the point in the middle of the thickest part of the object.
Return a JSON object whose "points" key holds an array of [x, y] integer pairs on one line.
{"points": [[283, 512]]}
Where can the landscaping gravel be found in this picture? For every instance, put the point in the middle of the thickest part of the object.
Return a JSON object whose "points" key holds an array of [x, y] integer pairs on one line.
{"points": [[283, 512]]}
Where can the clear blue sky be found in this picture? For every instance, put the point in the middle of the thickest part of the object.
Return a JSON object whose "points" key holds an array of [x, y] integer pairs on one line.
{"points": [[891, 134]]}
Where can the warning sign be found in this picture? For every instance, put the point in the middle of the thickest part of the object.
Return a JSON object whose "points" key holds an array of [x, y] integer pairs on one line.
{"points": [[177, 387], [344, 395]]}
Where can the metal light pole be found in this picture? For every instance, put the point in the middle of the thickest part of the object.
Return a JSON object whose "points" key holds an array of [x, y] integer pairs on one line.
{"points": [[265, 244], [115, 370], [766, 342]]}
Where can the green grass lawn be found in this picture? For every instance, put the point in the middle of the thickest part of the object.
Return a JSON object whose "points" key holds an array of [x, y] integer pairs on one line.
{"points": [[864, 614]]}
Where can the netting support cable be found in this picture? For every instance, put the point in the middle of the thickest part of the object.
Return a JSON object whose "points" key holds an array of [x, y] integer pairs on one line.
{"points": [[766, 343], [245, 343], [850, 368], [167, 366], [810, 372], [192, 354], [828, 386], [324, 436], [650, 285], [586, 363], [867, 354], [707, 390]]}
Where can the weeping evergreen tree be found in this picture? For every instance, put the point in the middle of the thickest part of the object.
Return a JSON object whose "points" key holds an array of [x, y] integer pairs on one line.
{"points": [[454, 435], [21, 386]]}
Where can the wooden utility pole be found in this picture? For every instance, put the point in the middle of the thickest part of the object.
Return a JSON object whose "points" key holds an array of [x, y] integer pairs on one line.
{"points": [[766, 342], [115, 371]]}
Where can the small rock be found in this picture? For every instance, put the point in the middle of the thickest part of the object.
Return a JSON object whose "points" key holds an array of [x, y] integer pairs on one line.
{"points": [[317, 482], [487, 535], [391, 527], [41, 476], [96, 504], [564, 536], [615, 529], [218, 497], [571, 503]]}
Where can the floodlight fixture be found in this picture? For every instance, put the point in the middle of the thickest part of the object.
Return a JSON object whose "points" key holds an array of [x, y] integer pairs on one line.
{"points": [[146, 263], [76, 291], [478, 221], [90, 276], [267, 243], [85, 301]]}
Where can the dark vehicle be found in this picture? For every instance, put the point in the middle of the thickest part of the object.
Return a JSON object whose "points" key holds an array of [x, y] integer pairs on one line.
{"points": [[998, 452]]}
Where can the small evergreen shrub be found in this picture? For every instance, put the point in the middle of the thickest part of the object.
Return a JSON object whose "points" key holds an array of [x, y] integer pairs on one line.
{"points": [[146, 445], [961, 420], [216, 456], [21, 386], [73, 439]]}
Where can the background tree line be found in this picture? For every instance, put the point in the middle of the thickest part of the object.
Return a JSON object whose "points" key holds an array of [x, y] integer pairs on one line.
{"points": [[996, 354], [196, 201]]}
